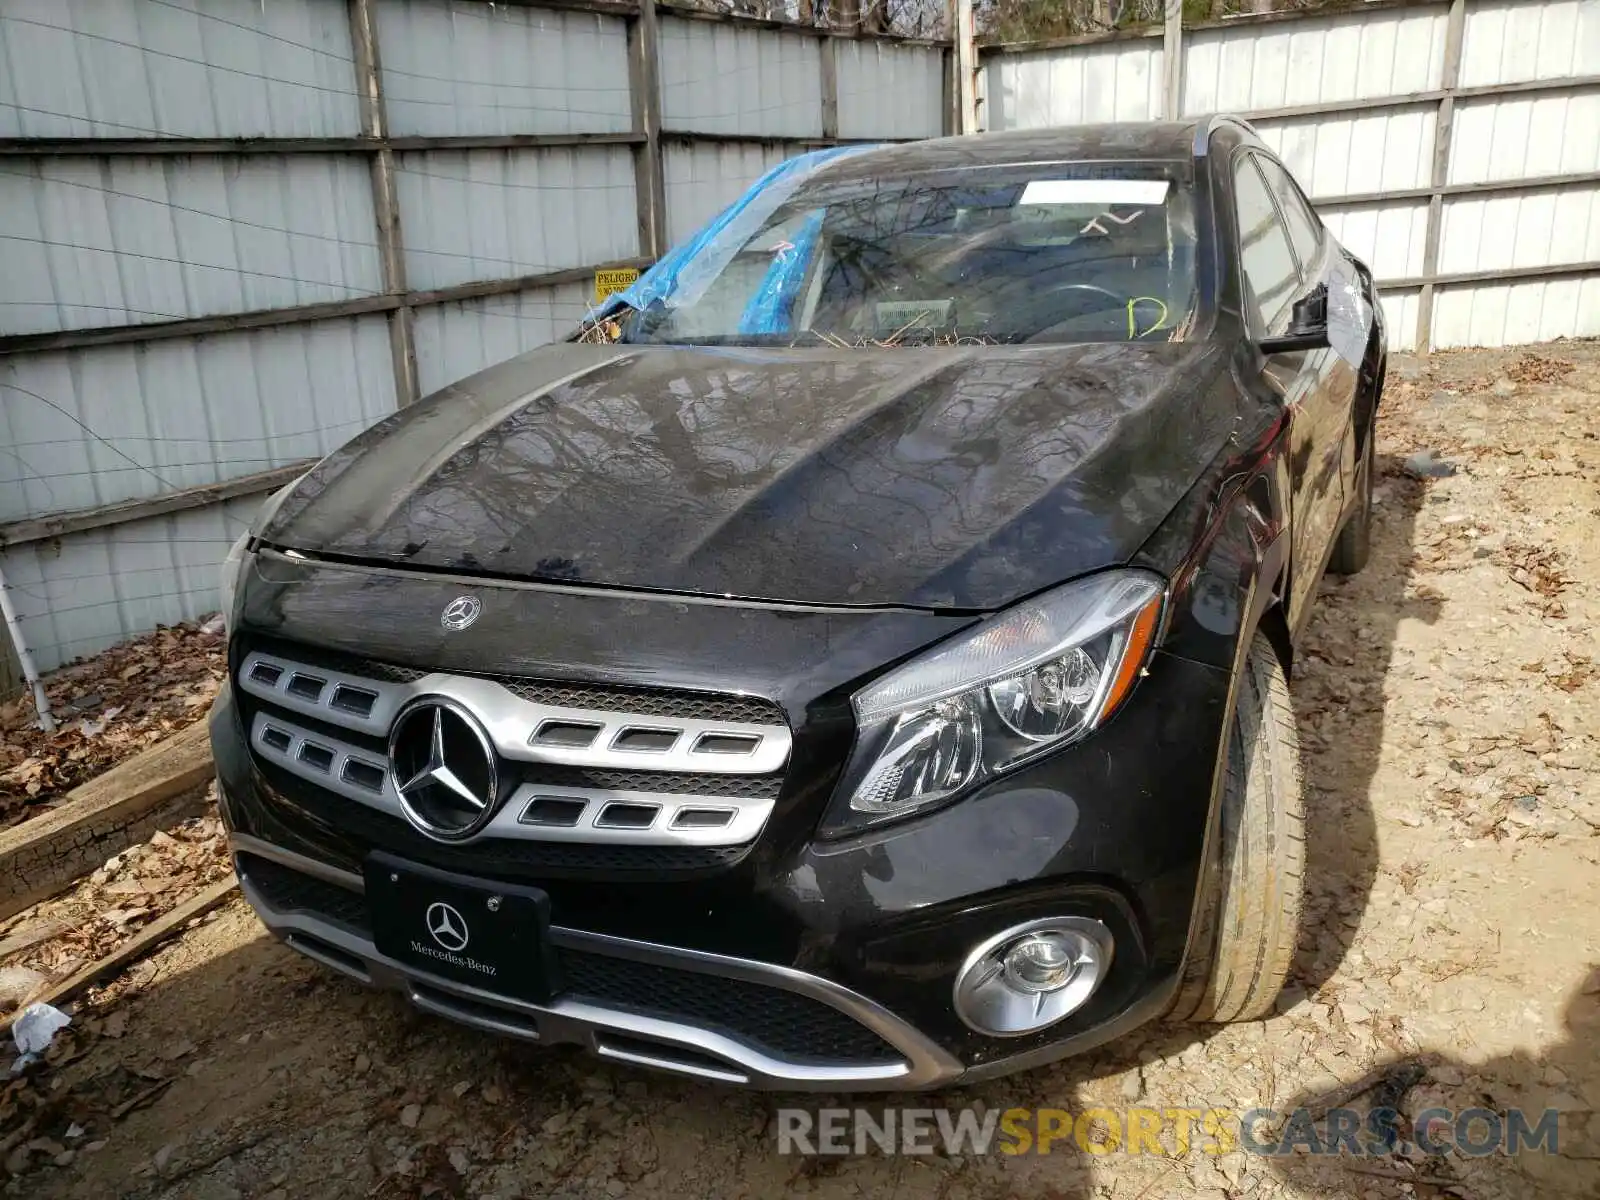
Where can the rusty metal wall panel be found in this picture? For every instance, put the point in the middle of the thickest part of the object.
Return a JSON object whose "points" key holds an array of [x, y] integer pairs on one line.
{"points": [[1524, 229], [78, 594], [94, 426], [703, 178], [1364, 152], [1349, 56], [454, 340], [1523, 137], [452, 67], [176, 68], [1391, 235], [1119, 81], [124, 240], [1509, 41], [1400, 311], [1507, 314], [889, 91], [498, 214], [729, 79]]}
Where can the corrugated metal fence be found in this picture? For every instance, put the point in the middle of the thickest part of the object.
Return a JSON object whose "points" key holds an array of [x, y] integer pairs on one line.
{"points": [[232, 234], [1455, 144]]}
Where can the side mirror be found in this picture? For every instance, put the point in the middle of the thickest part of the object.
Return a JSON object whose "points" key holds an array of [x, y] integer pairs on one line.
{"points": [[1308, 325]]}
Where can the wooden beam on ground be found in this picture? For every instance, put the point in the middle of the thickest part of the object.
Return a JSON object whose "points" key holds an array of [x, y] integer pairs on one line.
{"points": [[136, 947], [39, 529], [122, 807]]}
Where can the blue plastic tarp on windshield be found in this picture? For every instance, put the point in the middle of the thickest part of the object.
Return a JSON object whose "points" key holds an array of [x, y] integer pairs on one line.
{"points": [[684, 271], [769, 309]]}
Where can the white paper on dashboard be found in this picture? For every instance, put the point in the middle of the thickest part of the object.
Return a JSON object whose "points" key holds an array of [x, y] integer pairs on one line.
{"points": [[1095, 191]]}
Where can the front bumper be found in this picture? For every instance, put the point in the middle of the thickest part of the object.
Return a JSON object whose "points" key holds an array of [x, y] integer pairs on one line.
{"points": [[332, 933], [805, 964]]}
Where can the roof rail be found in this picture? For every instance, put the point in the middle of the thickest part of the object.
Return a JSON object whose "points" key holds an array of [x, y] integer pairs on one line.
{"points": [[1205, 126]]}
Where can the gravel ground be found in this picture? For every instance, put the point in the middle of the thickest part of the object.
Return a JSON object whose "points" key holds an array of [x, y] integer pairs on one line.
{"points": [[1447, 704]]}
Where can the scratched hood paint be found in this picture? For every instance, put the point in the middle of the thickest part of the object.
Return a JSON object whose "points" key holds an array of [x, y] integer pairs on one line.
{"points": [[931, 477]]}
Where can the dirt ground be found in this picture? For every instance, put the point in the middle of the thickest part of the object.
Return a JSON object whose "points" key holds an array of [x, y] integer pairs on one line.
{"points": [[107, 708], [1447, 702]]}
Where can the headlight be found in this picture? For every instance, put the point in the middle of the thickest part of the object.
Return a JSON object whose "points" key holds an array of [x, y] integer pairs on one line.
{"points": [[232, 568], [1032, 679], [238, 555]]}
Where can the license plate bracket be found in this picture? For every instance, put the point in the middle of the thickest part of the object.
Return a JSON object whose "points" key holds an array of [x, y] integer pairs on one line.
{"points": [[493, 936]]}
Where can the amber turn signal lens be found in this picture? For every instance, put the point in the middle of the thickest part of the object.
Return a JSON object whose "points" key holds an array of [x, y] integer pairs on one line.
{"points": [[1141, 637]]}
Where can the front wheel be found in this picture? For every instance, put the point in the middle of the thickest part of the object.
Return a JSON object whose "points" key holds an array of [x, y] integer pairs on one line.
{"points": [[1248, 914]]}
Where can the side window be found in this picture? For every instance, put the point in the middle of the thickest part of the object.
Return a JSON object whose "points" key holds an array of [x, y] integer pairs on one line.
{"points": [[1268, 262], [1305, 230]]}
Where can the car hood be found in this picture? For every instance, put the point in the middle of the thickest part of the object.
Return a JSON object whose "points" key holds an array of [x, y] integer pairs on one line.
{"points": [[937, 477]]}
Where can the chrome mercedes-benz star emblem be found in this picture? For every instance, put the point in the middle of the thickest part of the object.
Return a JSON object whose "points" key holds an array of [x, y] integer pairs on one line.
{"points": [[444, 768], [460, 612], [446, 926]]}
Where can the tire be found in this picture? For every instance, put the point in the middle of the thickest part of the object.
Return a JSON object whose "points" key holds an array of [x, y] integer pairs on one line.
{"points": [[1354, 545], [1248, 917]]}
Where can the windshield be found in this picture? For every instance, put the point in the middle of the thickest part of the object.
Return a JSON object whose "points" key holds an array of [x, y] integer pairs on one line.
{"points": [[1077, 252]]}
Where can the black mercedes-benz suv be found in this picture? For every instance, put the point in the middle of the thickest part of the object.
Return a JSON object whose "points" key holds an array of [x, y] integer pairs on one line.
{"points": [[856, 657]]}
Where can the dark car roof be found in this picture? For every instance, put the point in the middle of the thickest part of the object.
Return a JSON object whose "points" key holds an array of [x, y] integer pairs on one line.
{"points": [[1145, 140]]}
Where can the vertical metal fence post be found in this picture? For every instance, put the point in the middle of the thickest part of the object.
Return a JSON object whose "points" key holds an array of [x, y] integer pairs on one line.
{"points": [[644, 91], [24, 658], [1455, 28], [1172, 60], [385, 204], [966, 57], [830, 87]]}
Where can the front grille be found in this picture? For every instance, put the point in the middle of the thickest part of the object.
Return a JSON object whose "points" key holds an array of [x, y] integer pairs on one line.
{"points": [[326, 718], [333, 660], [677, 783], [792, 1026], [647, 702], [598, 861], [288, 890], [796, 1026], [680, 703]]}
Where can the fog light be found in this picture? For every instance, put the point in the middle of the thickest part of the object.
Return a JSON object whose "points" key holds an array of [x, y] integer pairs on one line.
{"points": [[1032, 975]]}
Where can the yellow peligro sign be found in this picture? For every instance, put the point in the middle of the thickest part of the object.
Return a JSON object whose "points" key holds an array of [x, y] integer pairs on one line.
{"points": [[618, 280]]}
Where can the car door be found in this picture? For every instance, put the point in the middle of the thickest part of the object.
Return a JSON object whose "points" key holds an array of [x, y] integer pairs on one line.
{"points": [[1275, 279], [1317, 249]]}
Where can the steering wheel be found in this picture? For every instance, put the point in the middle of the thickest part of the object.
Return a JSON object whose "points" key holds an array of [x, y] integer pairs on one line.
{"points": [[1117, 303], [1115, 299]]}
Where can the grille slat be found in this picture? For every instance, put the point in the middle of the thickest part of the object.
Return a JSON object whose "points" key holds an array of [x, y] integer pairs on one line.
{"points": [[679, 703], [294, 891], [596, 861], [796, 1027], [676, 783], [640, 742], [647, 702]]}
